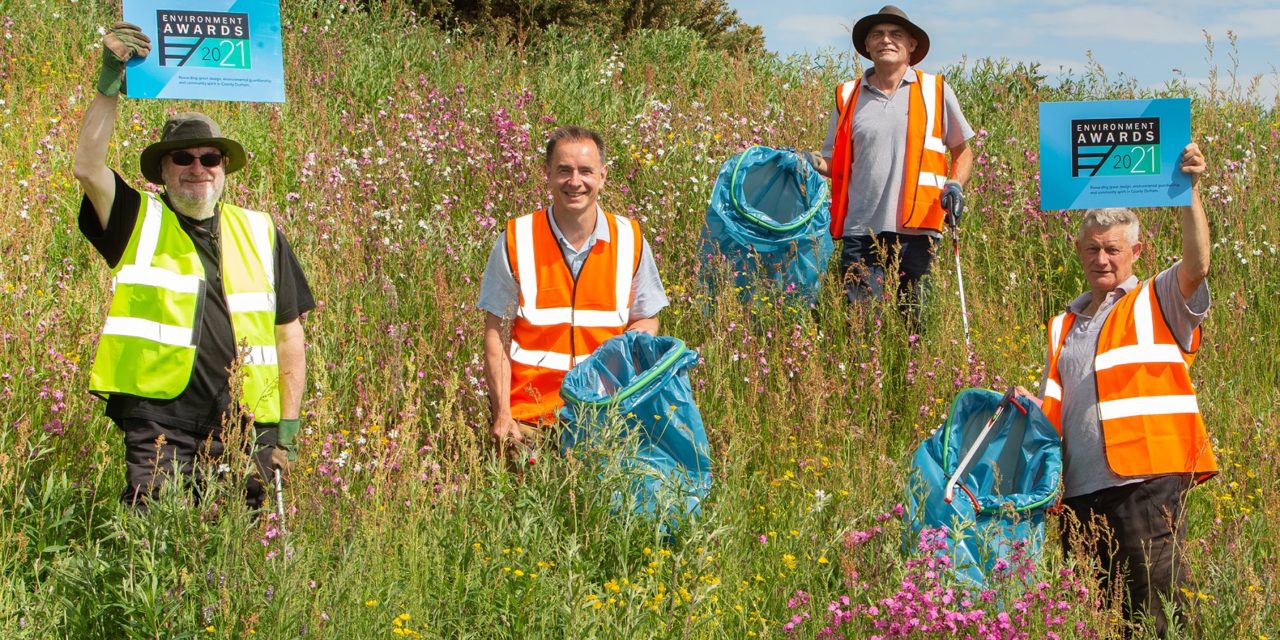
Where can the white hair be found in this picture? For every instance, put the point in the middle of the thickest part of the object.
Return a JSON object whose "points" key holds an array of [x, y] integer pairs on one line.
{"points": [[1111, 217]]}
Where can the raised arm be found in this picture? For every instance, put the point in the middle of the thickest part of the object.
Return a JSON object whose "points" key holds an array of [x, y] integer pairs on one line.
{"points": [[91, 155], [1195, 227], [121, 43]]}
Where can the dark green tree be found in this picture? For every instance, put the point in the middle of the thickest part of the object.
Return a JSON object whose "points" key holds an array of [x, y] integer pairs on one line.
{"points": [[718, 24]]}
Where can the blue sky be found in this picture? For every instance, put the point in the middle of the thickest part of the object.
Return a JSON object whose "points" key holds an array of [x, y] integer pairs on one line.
{"points": [[1144, 39]]}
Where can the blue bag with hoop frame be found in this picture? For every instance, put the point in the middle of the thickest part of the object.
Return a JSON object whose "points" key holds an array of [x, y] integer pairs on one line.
{"points": [[768, 218], [643, 381]]}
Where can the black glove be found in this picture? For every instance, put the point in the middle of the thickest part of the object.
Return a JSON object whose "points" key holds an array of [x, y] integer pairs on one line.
{"points": [[953, 202], [810, 157]]}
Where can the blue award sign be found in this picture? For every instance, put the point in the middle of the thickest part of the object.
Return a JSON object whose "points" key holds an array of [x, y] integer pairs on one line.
{"points": [[226, 50], [1114, 153]]}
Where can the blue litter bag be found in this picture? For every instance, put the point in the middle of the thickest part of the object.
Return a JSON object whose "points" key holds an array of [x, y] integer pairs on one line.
{"points": [[768, 217], [1001, 495], [643, 380]]}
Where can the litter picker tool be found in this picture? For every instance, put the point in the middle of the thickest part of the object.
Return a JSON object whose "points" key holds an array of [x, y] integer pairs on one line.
{"points": [[952, 220], [950, 490], [279, 498], [1009, 476]]}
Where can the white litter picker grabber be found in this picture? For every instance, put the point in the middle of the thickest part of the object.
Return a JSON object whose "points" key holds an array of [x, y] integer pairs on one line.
{"points": [[978, 444], [953, 221]]}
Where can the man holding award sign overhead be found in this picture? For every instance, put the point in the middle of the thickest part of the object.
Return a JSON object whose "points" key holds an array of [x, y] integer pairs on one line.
{"points": [[1117, 385], [202, 289]]}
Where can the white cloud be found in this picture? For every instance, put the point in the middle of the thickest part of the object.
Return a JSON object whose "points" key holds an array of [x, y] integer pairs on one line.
{"points": [[816, 27], [1260, 23], [1133, 24]]}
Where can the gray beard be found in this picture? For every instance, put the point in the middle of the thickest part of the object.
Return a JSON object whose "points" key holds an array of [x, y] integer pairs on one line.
{"points": [[195, 208]]}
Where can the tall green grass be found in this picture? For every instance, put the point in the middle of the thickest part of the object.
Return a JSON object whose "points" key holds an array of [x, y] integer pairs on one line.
{"points": [[400, 153]]}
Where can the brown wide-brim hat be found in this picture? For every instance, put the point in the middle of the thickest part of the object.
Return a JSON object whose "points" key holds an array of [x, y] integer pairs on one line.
{"points": [[892, 14], [186, 130]]}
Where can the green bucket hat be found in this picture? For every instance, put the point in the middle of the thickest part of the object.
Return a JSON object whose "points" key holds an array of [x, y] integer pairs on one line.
{"points": [[186, 130], [893, 15]]}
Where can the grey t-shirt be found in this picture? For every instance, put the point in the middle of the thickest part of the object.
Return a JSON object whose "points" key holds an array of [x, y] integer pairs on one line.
{"points": [[879, 150], [1084, 459], [499, 293]]}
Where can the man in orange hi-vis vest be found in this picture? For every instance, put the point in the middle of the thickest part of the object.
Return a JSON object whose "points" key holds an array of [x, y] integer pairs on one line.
{"points": [[1117, 385], [559, 282], [886, 153]]}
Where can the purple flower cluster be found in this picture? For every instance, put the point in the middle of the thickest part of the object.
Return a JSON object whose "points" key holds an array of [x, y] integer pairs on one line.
{"points": [[928, 602]]}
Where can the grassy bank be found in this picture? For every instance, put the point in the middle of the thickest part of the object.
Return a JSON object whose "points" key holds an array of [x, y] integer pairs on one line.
{"points": [[399, 154]]}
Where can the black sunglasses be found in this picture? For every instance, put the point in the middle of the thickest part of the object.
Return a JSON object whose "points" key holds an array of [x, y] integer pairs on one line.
{"points": [[185, 158]]}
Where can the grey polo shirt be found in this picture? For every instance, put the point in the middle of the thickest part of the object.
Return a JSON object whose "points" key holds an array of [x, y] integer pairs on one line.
{"points": [[499, 293], [1083, 456], [879, 153]]}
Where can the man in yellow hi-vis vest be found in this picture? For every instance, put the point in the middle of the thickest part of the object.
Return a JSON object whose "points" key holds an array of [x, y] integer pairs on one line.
{"points": [[200, 288], [886, 151]]}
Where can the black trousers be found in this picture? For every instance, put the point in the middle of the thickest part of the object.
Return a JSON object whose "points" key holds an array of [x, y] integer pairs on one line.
{"points": [[864, 260], [155, 454], [1136, 531]]}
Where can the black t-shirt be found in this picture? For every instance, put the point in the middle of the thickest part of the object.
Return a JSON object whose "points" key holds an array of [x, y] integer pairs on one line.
{"points": [[200, 407]]}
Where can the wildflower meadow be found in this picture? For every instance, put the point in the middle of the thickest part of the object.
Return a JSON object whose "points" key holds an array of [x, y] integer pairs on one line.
{"points": [[399, 155]]}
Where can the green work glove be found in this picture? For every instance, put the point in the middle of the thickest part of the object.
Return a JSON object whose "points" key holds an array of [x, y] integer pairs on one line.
{"points": [[288, 430], [122, 42]]}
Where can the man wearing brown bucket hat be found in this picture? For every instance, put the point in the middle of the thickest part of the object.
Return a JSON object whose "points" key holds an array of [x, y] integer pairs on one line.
{"points": [[886, 152], [201, 288]]}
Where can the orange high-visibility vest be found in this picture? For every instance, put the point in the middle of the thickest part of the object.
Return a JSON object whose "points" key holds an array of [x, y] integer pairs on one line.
{"points": [[925, 168], [1147, 407], [561, 320]]}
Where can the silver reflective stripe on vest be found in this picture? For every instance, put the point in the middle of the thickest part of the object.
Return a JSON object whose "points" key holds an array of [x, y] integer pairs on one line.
{"points": [[846, 91], [524, 258], [566, 315], [260, 227], [150, 234], [544, 359], [251, 302], [929, 93], [1142, 316], [1055, 333], [1052, 389], [624, 269], [149, 330], [261, 355], [1147, 406], [1139, 354], [932, 180], [156, 277]]}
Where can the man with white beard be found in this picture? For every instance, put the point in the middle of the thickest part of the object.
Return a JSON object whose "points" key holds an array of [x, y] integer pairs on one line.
{"points": [[201, 288]]}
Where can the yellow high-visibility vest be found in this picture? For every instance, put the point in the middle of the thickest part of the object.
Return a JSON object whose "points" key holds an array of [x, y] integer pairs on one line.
{"points": [[148, 343]]}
